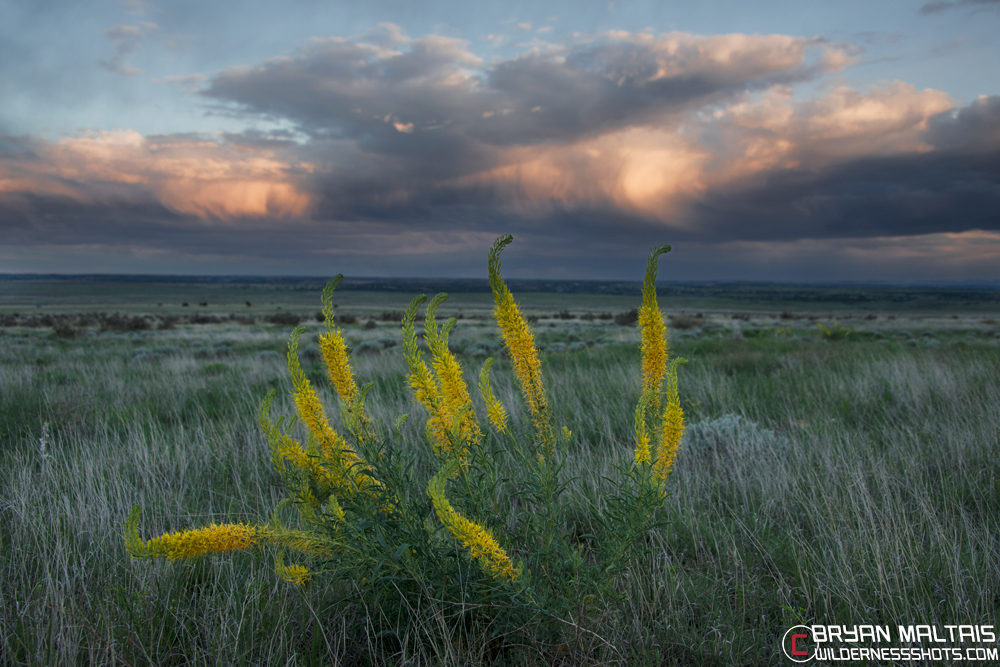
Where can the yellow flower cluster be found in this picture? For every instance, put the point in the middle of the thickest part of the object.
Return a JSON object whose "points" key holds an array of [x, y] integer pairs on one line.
{"points": [[520, 344], [293, 574], [334, 350], [495, 411], [476, 538], [654, 352], [452, 425], [346, 466], [338, 367], [456, 404], [216, 539], [672, 426], [642, 453]]}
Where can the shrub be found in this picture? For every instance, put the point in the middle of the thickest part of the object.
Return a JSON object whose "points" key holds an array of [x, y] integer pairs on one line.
{"points": [[63, 329], [731, 437], [686, 322], [284, 319], [502, 551], [627, 318], [117, 322], [198, 318]]}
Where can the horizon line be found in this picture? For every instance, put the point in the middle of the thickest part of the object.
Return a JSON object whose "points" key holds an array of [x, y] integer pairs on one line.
{"points": [[192, 277]]}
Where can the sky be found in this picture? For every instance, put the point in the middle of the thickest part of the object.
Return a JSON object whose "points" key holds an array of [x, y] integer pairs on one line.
{"points": [[779, 140]]}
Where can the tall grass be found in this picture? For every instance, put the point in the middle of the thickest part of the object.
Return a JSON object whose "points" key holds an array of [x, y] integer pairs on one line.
{"points": [[832, 482]]}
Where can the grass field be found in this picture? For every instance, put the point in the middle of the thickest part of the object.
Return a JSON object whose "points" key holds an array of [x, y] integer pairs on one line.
{"points": [[823, 479]]}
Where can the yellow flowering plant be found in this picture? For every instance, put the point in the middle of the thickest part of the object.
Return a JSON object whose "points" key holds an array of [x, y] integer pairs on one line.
{"points": [[356, 509]]}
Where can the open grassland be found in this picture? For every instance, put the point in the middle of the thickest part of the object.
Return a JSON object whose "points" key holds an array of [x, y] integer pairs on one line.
{"points": [[824, 478]]}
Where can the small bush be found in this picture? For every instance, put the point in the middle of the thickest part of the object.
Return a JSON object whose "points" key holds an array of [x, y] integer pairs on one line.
{"points": [[198, 318], [63, 329], [505, 552], [627, 318], [683, 322], [285, 319], [118, 322], [731, 437]]}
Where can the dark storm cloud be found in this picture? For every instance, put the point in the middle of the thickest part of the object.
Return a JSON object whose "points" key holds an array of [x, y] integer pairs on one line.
{"points": [[909, 196], [610, 84], [974, 129], [404, 119], [951, 189], [387, 96]]}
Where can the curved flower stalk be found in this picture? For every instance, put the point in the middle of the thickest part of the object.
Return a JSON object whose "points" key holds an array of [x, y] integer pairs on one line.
{"points": [[215, 539], [668, 430], [452, 425], [226, 538], [654, 333], [520, 344], [476, 538]]}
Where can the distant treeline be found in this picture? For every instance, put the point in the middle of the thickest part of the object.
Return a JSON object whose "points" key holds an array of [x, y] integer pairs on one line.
{"points": [[925, 294]]}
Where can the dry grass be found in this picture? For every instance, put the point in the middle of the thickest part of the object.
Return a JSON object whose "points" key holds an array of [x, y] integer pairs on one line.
{"points": [[832, 482]]}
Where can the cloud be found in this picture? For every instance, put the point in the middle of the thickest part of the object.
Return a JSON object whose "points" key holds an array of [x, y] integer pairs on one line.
{"points": [[342, 87], [126, 39], [935, 6], [394, 144], [187, 176], [137, 7], [894, 162]]}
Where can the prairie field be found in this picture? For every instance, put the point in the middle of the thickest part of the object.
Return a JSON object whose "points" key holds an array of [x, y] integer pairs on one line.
{"points": [[837, 474]]}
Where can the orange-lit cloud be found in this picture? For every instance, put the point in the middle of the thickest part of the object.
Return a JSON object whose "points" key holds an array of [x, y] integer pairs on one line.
{"points": [[643, 170], [653, 171], [191, 176]]}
